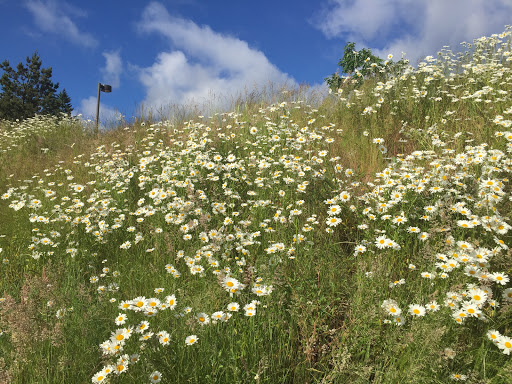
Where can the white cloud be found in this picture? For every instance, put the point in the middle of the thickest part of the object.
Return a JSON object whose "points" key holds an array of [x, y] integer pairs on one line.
{"points": [[201, 62], [113, 68], [87, 109], [416, 27], [52, 17]]}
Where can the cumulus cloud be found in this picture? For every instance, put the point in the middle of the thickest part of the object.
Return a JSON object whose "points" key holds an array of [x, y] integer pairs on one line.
{"points": [[53, 17], [200, 62], [113, 68], [87, 109], [416, 27]]}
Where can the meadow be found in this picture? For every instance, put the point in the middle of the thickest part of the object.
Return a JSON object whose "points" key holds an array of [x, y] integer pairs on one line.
{"points": [[359, 237]]}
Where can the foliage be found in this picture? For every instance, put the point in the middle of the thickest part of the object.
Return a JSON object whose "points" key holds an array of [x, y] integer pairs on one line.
{"points": [[358, 64], [361, 65], [29, 90]]}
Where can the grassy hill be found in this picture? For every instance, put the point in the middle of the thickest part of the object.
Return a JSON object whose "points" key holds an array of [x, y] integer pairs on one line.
{"points": [[364, 238]]}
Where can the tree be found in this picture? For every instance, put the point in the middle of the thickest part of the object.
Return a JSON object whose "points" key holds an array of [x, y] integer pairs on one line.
{"points": [[29, 90], [359, 65]]}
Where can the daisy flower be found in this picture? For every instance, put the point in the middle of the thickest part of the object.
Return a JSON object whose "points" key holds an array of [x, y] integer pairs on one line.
{"points": [[505, 344], [333, 221], [203, 318], [417, 310], [381, 242], [507, 294], [164, 338], [230, 283], [500, 278], [192, 339], [121, 319], [155, 377], [494, 336]]}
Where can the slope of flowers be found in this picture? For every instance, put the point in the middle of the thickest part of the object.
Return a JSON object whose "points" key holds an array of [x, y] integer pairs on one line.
{"points": [[218, 208], [188, 229], [16, 134]]}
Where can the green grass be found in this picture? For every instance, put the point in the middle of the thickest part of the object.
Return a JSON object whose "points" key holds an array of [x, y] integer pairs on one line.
{"points": [[89, 223]]}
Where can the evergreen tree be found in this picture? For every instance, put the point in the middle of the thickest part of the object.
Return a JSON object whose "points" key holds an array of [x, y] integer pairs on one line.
{"points": [[64, 102], [29, 90]]}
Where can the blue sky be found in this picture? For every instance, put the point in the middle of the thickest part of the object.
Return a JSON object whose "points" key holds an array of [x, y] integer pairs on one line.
{"points": [[175, 51]]}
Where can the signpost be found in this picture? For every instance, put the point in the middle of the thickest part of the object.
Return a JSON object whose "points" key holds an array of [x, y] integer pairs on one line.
{"points": [[101, 88]]}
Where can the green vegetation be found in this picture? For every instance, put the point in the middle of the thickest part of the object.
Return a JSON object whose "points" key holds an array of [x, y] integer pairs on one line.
{"points": [[29, 90], [363, 239]]}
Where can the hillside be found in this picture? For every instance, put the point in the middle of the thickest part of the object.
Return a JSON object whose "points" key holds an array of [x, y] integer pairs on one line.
{"points": [[361, 239]]}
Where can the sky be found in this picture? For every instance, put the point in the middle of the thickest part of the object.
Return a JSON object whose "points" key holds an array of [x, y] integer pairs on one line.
{"points": [[201, 52]]}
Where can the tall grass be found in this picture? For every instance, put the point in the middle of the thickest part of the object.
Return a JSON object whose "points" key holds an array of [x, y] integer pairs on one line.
{"points": [[360, 238]]}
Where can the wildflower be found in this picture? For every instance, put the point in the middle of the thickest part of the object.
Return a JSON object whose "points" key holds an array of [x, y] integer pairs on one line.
{"points": [[398, 220], [505, 344], [230, 284], [142, 327], [121, 365], [217, 316], [500, 278], [170, 301], [416, 310], [192, 339], [120, 319], [333, 210], [478, 296], [507, 294], [99, 377], [155, 377], [471, 309], [458, 377], [164, 338], [396, 282], [233, 307], [391, 307], [333, 221], [423, 236], [381, 242], [494, 336], [203, 318], [399, 320], [432, 306]]}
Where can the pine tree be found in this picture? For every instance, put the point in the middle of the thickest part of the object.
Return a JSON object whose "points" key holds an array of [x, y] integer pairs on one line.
{"points": [[64, 102], [29, 90]]}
